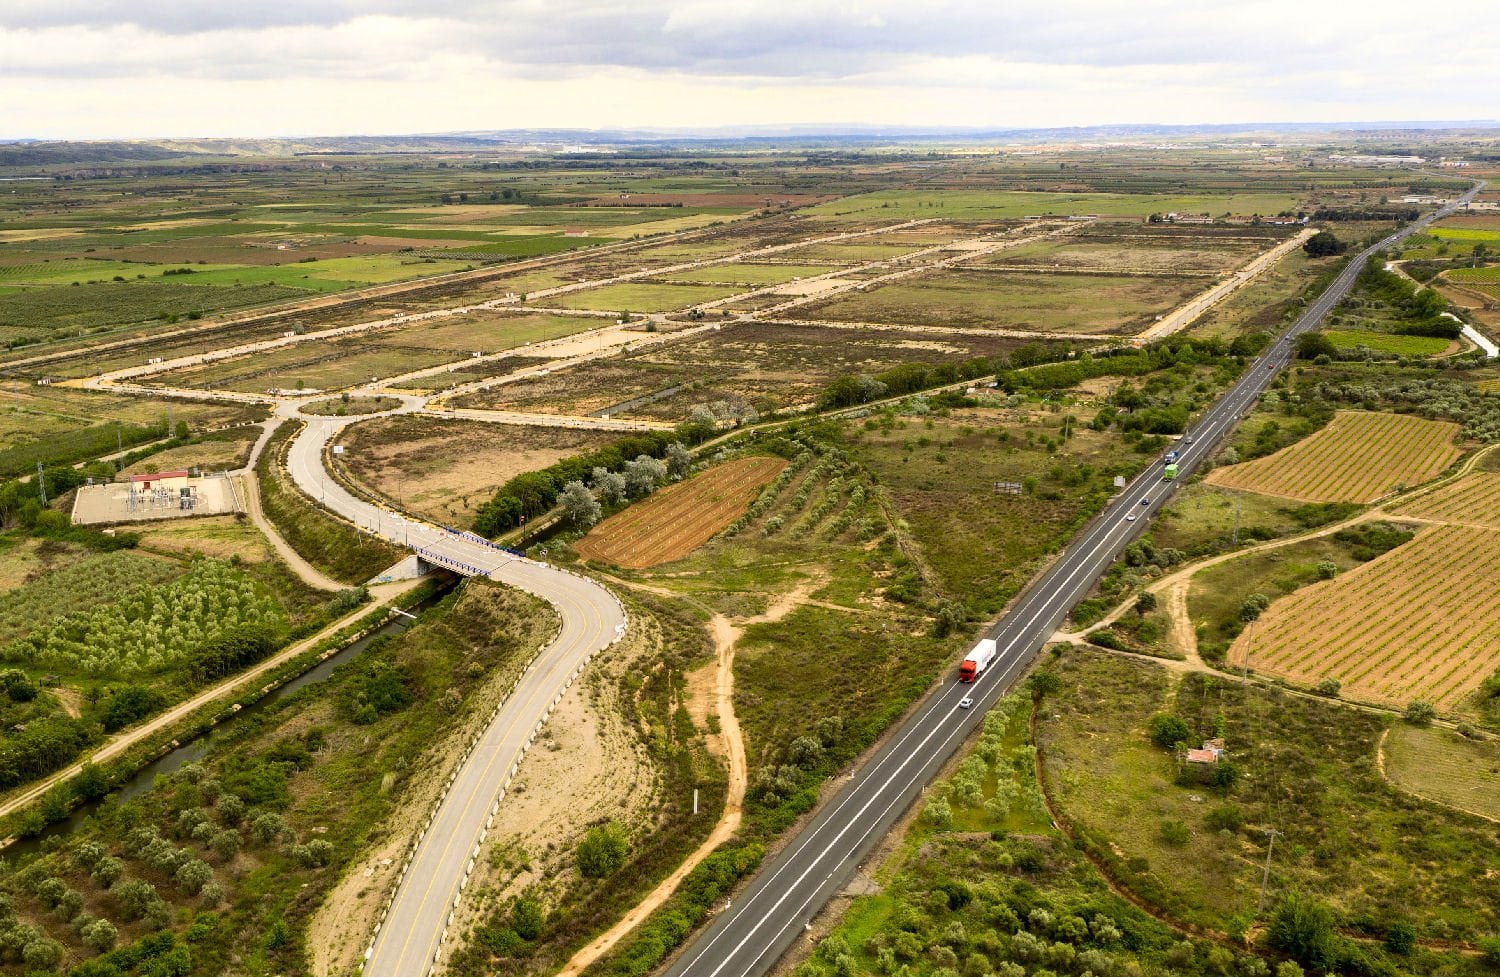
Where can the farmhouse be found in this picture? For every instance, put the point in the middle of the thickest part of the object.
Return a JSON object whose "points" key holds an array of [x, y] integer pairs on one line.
{"points": [[1210, 753]]}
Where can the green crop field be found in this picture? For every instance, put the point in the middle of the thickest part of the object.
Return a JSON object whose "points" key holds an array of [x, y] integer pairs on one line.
{"points": [[1386, 342], [1465, 234], [1469, 276]]}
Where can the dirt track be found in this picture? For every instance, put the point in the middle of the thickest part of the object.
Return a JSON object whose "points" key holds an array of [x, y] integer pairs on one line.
{"points": [[726, 636]]}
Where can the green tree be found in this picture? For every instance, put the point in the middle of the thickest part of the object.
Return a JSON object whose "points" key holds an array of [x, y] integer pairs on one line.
{"points": [[1401, 938], [1167, 731], [579, 505], [1253, 606], [1311, 345], [1145, 603], [1324, 244]]}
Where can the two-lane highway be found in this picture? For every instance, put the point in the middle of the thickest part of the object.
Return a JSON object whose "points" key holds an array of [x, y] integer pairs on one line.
{"points": [[746, 939]]}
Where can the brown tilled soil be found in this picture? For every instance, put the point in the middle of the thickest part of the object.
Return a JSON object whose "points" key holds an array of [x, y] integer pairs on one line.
{"points": [[680, 518]]}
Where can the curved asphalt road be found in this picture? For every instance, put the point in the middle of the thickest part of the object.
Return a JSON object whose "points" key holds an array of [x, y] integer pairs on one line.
{"points": [[410, 940], [747, 938]]}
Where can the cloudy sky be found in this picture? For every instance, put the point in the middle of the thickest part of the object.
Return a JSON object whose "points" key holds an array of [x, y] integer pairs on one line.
{"points": [[156, 68]]}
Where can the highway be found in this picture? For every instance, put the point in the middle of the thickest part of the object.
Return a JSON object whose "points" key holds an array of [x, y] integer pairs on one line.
{"points": [[747, 938], [410, 940]]}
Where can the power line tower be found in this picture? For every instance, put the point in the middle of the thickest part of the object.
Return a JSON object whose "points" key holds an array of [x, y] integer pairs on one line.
{"points": [[41, 483], [1260, 903]]}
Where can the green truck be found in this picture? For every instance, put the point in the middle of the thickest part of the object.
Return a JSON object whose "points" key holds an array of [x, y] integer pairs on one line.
{"points": [[1169, 473]]}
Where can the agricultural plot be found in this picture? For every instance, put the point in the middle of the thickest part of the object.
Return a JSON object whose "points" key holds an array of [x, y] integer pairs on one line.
{"points": [[443, 468], [1387, 342], [639, 297], [894, 205], [77, 587], [1415, 623], [1473, 500], [1465, 234], [150, 629], [679, 518], [1102, 304], [748, 275], [1154, 255], [1475, 276], [767, 365], [35, 315], [1358, 457], [227, 451], [337, 363]]}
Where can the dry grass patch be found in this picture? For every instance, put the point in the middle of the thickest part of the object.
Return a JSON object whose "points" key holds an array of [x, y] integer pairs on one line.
{"points": [[680, 518], [443, 468], [1358, 457], [1419, 622], [1442, 766]]}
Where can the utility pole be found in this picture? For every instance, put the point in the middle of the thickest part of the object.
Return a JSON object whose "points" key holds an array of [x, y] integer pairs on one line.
{"points": [[41, 483], [1266, 876], [1235, 539], [1249, 645]]}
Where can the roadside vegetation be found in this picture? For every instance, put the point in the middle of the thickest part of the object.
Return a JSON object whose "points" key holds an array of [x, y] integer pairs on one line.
{"points": [[335, 547], [217, 869]]}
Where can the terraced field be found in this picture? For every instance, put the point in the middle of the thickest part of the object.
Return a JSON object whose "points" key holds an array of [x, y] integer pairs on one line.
{"points": [[1404, 626], [680, 518], [1358, 457], [1473, 500]]}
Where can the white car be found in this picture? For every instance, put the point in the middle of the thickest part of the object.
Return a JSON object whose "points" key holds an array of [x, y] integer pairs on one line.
{"points": [[1130, 518], [966, 702]]}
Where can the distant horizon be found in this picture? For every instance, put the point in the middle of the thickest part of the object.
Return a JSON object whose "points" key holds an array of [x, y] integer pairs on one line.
{"points": [[810, 130]]}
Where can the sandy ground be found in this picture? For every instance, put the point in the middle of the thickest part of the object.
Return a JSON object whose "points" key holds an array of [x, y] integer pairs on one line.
{"points": [[816, 286]]}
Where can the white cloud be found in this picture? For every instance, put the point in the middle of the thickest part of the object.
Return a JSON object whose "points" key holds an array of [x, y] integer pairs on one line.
{"points": [[116, 68]]}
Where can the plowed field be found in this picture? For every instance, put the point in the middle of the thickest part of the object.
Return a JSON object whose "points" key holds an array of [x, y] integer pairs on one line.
{"points": [[679, 518], [1358, 457], [1415, 623], [1473, 500]]}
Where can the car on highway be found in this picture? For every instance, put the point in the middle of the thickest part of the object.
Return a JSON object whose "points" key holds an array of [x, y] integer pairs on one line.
{"points": [[1130, 518], [966, 702], [1146, 500]]}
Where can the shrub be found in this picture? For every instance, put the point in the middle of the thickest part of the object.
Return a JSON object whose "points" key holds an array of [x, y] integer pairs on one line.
{"points": [[1419, 713], [526, 918], [1175, 833], [1225, 817], [602, 850], [1400, 938], [1303, 928], [1328, 687]]}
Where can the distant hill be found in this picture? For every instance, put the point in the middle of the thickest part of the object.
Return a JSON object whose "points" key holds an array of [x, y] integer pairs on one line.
{"points": [[55, 153]]}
